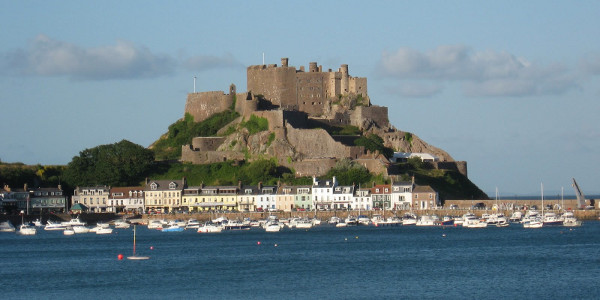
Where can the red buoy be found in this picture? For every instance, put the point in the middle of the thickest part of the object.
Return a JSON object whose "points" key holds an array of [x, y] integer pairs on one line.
{"points": [[120, 256]]}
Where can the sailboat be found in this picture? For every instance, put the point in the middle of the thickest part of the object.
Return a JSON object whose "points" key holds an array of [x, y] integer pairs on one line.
{"points": [[134, 256]]}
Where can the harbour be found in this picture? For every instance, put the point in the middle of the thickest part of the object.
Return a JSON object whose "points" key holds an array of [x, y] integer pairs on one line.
{"points": [[356, 262]]}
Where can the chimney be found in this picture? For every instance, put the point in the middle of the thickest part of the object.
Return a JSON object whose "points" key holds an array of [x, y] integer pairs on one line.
{"points": [[260, 185], [240, 184]]}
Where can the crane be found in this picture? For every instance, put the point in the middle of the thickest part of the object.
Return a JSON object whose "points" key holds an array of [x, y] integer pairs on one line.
{"points": [[579, 194]]}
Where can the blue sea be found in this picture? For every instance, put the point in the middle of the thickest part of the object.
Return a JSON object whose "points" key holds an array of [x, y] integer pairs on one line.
{"points": [[320, 263]]}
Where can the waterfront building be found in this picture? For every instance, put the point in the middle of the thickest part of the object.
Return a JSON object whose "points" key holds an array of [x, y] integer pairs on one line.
{"points": [[95, 198], [303, 197], [47, 200], [322, 193], [216, 198], [405, 156], [191, 200], [126, 199], [285, 198], [247, 198], [267, 198], [362, 200], [402, 194], [163, 195], [382, 196], [342, 197], [425, 197]]}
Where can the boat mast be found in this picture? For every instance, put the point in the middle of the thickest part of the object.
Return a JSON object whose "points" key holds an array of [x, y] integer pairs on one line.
{"points": [[133, 240]]}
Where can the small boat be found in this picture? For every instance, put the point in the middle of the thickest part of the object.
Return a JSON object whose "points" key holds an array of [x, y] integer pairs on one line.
{"points": [[81, 229], [304, 224], [26, 229], [74, 222], [409, 219], [54, 226], [102, 228], [551, 219], [533, 223], [69, 231], [351, 221], [272, 226], [516, 217], [155, 224], [341, 224], [192, 223], [334, 220], [569, 220], [173, 228], [134, 256], [427, 220], [471, 221], [235, 225], [122, 224], [210, 227], [447, 221], [7, 226], [363, 220], [37, 223]]}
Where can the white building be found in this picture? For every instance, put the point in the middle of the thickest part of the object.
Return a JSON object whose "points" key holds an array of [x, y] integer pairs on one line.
{"points": [[362, 199], [322, 193], [402, 194], [404, 156]]}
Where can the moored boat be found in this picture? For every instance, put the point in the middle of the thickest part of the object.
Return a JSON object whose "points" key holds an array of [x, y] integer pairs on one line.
{"points": [[54, 226], [7, 226], [210, 227], [26, 229]]}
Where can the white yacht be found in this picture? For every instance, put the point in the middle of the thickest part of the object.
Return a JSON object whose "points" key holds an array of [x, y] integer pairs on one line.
{"points": [[472, 221], [304, 223], [155, 224], [192, 223], [569, 219], [516, 217], [54, 226], [552, 219], [81, 229], [69, 231], [74, 222], [427, 220], [272, 226], [210, 227], [334, 220], [122, 224], [409, 219], [533, 223], [25, 229]]}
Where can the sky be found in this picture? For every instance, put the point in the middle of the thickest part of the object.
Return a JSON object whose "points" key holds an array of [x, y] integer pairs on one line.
{"points": [[511, 87]]}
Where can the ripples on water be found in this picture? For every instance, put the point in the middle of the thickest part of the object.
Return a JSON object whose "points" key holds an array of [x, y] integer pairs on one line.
{"points": [[319, 263]]}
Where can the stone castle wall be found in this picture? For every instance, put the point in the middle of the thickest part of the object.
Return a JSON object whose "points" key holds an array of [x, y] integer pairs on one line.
{"points": [[377, 114], [204, 104], [317, 143], [207, 143]]}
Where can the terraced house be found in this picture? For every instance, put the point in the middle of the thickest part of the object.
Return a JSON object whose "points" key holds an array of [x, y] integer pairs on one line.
{"points": [[163, 195], [95, 198]]}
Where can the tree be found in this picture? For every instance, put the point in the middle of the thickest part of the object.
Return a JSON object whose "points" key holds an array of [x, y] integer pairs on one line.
{"points": [[120, 164], [373, 142]]}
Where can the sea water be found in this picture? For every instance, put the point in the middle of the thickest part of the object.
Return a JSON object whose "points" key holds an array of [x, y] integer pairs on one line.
{"points": [[325, 262]]}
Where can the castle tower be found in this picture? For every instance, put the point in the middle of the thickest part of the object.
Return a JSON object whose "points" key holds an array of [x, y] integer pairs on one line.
{"points": [[345, 85], [284, 62], [312, 67]]}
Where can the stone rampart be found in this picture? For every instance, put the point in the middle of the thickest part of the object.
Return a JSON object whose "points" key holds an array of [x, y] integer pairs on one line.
{"points": [[317, 143], [204, 157], [460, 166], [362, 115], [205, 104], [314, 167], [207, 143]]}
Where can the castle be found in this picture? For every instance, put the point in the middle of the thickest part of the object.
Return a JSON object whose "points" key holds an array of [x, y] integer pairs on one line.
{"points": [[297, 104]]}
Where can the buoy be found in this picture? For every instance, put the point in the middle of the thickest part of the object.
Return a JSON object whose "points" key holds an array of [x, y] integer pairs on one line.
{"points": [[275, 245], [120, 256], [356, 237], [345, 239], [151, 247], [444, 235], [258, 243]]}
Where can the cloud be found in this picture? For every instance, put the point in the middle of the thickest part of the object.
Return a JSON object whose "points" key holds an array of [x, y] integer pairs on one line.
{"points": [[209, 62], [590, 64], [124, 60], [415, 89], [484, 73]]}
